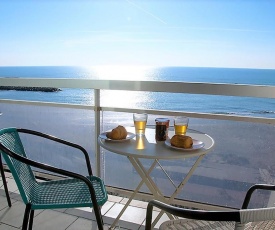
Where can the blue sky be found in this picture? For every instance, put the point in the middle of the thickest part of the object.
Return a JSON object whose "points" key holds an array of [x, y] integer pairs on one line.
{"points": [[208, 33]]}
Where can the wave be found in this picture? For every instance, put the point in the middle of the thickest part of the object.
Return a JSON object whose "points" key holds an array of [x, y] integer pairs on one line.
{"points": [[248, 113], [225, 113], [263, 112]]}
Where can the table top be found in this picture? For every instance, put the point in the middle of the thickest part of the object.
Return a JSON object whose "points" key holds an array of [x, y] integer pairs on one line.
{"points": [[147, 147]]}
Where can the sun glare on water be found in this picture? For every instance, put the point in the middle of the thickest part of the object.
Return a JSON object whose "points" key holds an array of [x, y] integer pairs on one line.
{"points": [[117, 98], [125, 99], [110, 72]]}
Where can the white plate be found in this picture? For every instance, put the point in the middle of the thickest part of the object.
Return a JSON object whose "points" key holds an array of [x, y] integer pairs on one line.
{"points": [[128, 137], [196, 145]]}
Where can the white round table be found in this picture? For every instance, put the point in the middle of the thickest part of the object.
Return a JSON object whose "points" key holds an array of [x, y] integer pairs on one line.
{"points": [[147, 147]]}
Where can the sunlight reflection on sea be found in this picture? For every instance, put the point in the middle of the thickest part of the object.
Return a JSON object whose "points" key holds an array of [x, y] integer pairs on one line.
{"points": [[117, 98]]}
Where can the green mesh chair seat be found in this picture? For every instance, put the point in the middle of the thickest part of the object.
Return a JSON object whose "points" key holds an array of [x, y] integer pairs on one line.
{"points": [[67, 193], [73, 191]]}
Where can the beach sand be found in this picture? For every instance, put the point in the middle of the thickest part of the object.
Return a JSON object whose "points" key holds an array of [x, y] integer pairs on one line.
{"points": [[243, 153]]}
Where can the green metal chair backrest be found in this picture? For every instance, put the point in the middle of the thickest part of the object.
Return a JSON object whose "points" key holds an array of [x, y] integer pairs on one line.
{"points": [[22, 173]]}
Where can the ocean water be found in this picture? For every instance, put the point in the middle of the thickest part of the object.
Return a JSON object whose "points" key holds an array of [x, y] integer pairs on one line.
{"points": [[181, 102]]}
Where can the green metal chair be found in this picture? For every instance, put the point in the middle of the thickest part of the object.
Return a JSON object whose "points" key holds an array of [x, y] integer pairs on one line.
{"points": [[73, 191]]}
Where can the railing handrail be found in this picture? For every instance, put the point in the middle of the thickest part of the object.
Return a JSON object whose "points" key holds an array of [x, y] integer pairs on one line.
{"points": [[263, 91]]}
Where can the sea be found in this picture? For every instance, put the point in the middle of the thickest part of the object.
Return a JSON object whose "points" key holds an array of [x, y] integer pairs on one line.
{"points": [[246, 106]]}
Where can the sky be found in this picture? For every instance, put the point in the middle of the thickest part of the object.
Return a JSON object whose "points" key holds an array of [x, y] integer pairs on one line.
{"points": [[199, 33]]}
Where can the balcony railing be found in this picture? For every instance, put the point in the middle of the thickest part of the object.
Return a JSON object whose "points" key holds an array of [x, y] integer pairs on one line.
{"points": [[225, 151]]}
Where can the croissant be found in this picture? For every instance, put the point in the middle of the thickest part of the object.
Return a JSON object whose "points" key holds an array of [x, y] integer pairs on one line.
{"points": [[117, 133], [181, 141]]}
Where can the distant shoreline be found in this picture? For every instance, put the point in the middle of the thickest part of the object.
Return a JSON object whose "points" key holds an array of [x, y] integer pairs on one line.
{"points": [[23, 88]]}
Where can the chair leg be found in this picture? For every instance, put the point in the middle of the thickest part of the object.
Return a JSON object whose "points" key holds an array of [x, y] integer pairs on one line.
{"points": [[31, 220], [99, 219], [26, 217], [5, 182]]}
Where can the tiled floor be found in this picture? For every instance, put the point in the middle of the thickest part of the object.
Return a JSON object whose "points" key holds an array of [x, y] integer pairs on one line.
{"points": [[70, 219]]}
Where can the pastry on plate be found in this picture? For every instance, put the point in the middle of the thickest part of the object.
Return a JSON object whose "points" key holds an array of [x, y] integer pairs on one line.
{"points": [[117, 133], [182, 141]]}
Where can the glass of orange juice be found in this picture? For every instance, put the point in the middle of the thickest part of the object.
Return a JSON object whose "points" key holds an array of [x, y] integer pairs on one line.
{"points": [[140, 121], [181, 125]]}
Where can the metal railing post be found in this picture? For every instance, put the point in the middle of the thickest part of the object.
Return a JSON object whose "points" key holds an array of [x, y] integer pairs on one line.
{"points": [[97, 130]]}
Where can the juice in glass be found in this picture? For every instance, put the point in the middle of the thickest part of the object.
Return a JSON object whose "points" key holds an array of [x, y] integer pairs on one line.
{"points": [[140, 120], [181, 125]]}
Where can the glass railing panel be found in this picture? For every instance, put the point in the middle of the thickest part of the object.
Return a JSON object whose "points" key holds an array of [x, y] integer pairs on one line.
{"points": [[242, 156], [75, 125]]}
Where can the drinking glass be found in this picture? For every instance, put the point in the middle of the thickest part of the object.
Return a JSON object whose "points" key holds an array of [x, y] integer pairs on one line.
{"points": [[140, 120], [181, 125]]}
